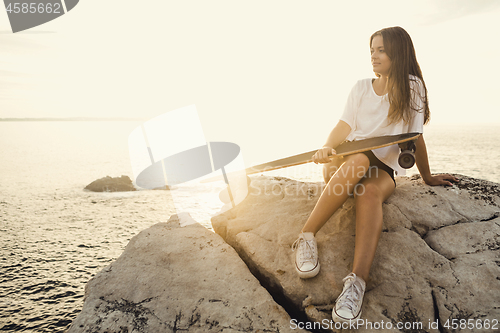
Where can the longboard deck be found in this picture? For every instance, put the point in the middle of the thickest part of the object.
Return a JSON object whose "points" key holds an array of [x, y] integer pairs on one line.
{"points": [[344, 149]]}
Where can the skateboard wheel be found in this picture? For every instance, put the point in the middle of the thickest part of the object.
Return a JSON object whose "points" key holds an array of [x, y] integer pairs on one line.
{"points": [[406, 159]]}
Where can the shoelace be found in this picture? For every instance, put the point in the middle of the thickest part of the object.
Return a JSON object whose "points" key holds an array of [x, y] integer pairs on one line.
{"points": [[307, 253], [351, 294]]}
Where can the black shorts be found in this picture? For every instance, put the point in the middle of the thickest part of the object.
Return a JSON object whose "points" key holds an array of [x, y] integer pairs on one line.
{"points": [[376, 163]]}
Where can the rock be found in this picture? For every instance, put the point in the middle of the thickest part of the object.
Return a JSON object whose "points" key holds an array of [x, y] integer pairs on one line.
{"points": [[111, 184], [162, 188], [178, 279], [438, 256]]}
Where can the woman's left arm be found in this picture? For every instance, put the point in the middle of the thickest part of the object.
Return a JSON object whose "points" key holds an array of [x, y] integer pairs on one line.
{"points": [[423, 166]]}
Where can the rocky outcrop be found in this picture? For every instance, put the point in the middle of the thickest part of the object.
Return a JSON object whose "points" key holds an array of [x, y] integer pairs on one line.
{"points": [[438, 257], [111, 184], [178, 277]]}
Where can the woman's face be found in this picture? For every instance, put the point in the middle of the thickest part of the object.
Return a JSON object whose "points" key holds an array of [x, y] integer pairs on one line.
{"points": [[380, 60]]}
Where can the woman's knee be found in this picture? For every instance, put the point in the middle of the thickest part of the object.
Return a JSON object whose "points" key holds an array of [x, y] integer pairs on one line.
{"points": [[329, 169], [359, 159], [359, 163], [368, 192]]}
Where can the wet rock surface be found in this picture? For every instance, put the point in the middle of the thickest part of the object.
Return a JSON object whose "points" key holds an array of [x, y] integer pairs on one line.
{"points": [[438, 257]]}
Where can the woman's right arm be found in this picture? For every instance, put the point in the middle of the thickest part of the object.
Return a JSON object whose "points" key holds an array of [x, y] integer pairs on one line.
{"points": [[336, 137]]}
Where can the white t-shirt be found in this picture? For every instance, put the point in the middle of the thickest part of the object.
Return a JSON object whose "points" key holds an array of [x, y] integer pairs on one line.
{"points": [[366, 113]]}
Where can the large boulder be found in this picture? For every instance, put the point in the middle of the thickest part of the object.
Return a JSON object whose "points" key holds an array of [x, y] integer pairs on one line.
{"points": [[178, 277], [438, 256]]}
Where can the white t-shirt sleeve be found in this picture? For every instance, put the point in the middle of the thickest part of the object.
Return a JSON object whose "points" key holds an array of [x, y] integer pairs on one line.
{"points": [[416, 123], [351, 107]]}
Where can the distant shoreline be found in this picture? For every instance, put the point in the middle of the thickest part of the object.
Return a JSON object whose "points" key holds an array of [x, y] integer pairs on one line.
{"points": [[73, 119]]}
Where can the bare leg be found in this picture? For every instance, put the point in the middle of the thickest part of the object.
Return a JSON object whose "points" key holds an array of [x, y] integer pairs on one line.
{"points": [[329, 169], [369, 198], [337, 191]]}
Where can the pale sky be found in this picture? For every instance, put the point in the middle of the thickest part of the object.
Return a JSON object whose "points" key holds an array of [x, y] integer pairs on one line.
{"points": [[272, 74]]}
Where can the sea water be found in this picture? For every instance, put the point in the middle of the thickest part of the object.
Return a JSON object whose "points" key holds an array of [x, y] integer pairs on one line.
{"points": [[54, 236]]}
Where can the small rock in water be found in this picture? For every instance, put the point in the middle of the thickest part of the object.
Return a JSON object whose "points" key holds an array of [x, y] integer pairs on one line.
{"points": [[164, 188], [111, 184]]}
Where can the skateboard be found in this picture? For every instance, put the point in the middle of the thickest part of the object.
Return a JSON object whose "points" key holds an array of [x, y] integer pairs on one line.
{"points": [[405, 141], [348, 148]]}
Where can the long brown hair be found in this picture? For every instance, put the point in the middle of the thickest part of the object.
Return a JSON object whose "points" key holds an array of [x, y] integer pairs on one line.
{"points": [[399, 48]]}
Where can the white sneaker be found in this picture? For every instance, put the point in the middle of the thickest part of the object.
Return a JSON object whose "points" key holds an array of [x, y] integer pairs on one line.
{"points": [[306, 257], [348, 304]]}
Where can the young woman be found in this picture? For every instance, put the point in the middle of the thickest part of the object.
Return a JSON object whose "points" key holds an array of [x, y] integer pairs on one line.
{"points": [[393, 103]]}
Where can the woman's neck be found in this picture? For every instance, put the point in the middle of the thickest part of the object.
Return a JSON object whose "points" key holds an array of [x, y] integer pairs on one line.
{"points": [[380, 85], [382, 80]]}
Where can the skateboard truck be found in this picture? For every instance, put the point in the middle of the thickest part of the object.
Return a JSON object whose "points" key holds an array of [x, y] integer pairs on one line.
{"points": [[407, 156]]}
